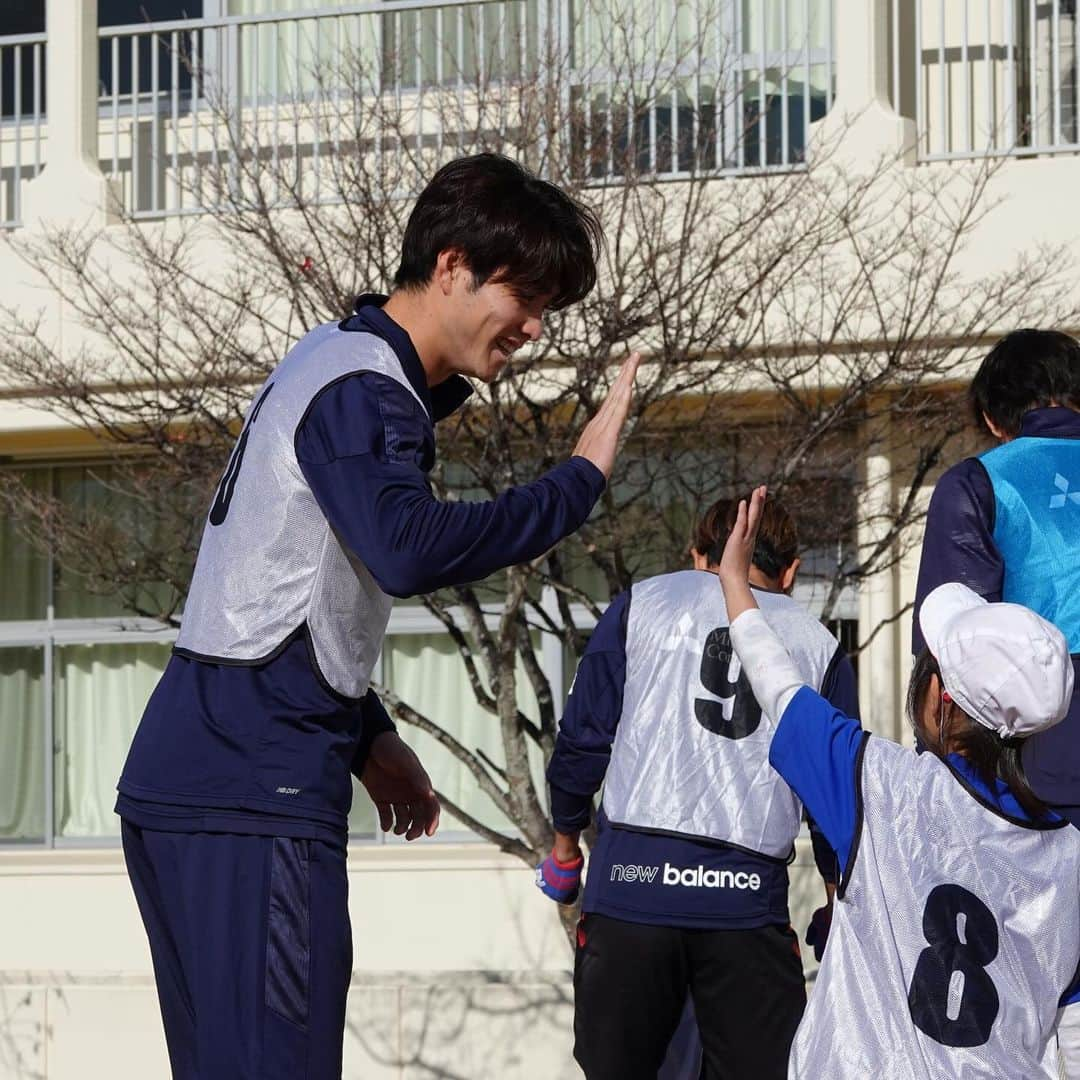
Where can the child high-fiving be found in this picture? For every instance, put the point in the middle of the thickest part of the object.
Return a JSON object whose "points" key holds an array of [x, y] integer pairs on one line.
{"points": [[957, 929]]}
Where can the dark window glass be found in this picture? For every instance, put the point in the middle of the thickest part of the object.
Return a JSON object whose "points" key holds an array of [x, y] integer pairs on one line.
{"points": [[122, 12], [126, 12], [17, 62], [22, 17]]}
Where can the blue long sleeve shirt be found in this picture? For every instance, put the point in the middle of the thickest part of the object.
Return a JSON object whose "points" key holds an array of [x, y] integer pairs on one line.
{"points": [[215, 739], [959, 545], [576, 772]]}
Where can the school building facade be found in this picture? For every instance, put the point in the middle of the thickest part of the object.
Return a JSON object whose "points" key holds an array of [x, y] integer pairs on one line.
{"points": [[461, 967]]}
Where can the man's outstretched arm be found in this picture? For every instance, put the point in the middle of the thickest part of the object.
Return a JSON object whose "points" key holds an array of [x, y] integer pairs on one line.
{"points": [[361, 449]]}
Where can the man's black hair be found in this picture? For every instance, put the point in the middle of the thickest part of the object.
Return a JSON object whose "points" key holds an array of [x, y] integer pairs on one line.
{"points": [[1027, 369], [509, 225]]}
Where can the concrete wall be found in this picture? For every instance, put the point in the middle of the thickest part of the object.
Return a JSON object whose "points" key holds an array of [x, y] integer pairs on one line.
{"points": [[461, 968]]}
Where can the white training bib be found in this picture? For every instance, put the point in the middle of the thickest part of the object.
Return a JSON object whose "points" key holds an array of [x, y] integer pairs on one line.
{"points": [[269, 562], [957, 933], [691, 753]]}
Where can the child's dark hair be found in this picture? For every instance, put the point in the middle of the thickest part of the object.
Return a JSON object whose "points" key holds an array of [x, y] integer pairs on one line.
{"points": [[991, 756], [1027, 369], [777, 544], [509, 225]]}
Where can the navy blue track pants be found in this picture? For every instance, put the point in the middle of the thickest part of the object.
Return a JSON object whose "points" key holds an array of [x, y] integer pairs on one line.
{"points": [[252, 951]]}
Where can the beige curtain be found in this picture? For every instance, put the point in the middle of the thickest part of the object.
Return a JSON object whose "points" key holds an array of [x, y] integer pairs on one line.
{"points": [[426, 671], [22, 739], [101, 691]]}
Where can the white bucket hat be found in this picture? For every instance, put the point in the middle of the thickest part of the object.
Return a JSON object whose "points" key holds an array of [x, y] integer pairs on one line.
{"points": [[1005, 666]]}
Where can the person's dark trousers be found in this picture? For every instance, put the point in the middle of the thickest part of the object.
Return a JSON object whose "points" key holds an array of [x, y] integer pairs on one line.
{"points": [[252, 951], [631, 980]]}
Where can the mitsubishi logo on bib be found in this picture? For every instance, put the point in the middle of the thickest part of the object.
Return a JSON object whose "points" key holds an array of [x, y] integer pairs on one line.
{"points": [[680, 635], [1064, 494]]}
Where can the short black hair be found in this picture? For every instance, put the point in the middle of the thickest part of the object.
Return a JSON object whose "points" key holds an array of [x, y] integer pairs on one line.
{"points": [[509, 225], [1027, 369]]}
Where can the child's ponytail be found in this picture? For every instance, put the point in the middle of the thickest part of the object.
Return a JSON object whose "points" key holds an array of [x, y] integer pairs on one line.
{"points": [[992, 757]]}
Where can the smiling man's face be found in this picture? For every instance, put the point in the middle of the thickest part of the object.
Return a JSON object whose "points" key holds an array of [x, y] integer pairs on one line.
{"points": [[489, 324]]}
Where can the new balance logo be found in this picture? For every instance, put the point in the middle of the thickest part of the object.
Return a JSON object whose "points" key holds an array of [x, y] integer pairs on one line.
{"points": [[634, 874], [1064, 494], [697, 877], [692, 877]]}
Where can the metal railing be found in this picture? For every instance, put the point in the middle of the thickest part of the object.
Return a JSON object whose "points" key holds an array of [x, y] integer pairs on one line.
{"points": [[22, 114], [201, 113], [980, 77], [196, 110], [704, 86]]}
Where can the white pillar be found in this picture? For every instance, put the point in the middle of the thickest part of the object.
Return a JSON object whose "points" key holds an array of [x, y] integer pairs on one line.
{"points": [[71, 185], [862, 122], [879, 701], [552, 654], [911, 543]]}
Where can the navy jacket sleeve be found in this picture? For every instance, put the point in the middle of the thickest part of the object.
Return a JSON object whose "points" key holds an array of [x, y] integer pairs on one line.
{"points": [[376, 721], [364, 448], [838, 688], [816, 750], [583, 748], [959, 541]]}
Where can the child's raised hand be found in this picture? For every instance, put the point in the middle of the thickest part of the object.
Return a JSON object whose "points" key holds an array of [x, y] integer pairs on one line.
{"points": [[738, 554]]}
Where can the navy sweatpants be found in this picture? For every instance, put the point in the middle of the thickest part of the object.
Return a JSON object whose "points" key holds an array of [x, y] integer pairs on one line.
{"points": [[252, 951]]}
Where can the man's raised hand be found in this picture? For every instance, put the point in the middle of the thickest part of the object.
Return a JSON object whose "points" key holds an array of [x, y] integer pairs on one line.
{"points": [[600, 437]]}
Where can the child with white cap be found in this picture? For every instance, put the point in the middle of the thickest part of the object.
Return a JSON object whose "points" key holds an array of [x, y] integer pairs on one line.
{"points": [[957, 933]]}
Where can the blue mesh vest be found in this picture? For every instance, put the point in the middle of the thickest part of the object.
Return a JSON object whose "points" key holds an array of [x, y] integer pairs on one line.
{"points": [[1036, 484]]}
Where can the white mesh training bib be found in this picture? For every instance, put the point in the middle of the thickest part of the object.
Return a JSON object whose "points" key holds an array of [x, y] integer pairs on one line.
{"points": [[691, 753], [956, 935], [269, 561]]}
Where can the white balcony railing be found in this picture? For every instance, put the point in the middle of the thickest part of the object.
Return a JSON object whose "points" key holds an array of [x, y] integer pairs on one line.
{"points": [[22, 85], [987, 76], [194, 111]]}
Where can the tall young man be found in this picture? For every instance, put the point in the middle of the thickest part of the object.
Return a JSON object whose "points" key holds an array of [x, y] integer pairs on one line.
{"points": [[236, 790], [687, 885], [1007, 524]]}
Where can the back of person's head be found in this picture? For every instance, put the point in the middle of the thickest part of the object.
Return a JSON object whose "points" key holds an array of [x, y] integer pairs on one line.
{"points": [[991, 756], [777, 544], [510, 226], [1027, 369], [1001, 673]]}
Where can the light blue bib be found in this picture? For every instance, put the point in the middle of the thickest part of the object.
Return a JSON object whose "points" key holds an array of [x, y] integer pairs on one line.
{"points": [[1037, 527]]}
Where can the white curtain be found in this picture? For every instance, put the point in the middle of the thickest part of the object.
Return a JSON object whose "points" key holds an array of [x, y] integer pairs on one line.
{"points": [[613, 32], [786, 26], [22, 744], [428, 674], [294, 57], [763, 21], [101, 691]]}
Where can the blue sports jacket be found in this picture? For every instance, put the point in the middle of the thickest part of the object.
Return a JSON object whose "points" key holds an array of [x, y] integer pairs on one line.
{"points": [[1007, 524]]}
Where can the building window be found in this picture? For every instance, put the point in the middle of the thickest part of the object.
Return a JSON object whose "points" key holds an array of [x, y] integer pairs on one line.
{"points": [[76, 670]]}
